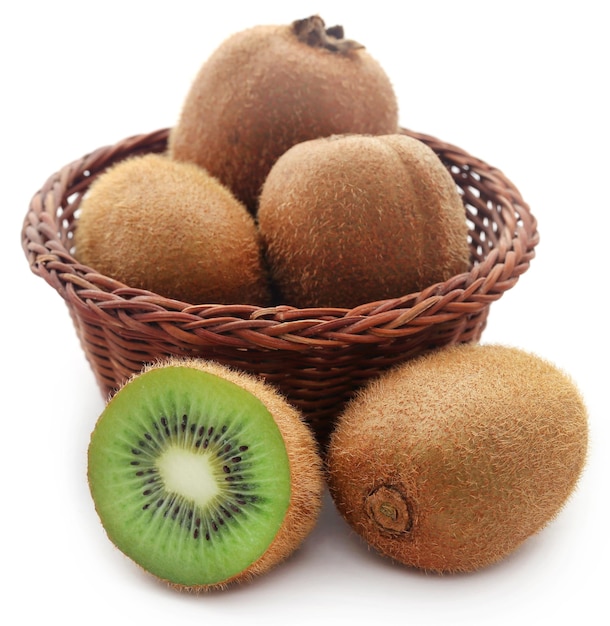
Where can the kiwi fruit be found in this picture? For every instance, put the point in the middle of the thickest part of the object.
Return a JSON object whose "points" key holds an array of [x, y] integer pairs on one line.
{"points": [[349, 219], [203, 475], [171, 228], [269, 87], [450, 461]]}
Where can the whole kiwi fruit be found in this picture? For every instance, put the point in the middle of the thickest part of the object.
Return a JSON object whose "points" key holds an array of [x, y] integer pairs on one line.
{"points": [[203, 475], [450, 461], [271, 86], [349, 219], [171, 228]]}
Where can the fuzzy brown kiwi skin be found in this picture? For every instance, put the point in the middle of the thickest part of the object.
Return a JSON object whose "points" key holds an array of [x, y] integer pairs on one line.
{"points": [[168, 227], [451, 461], [306, 468], [349, 219], [269, 87]]}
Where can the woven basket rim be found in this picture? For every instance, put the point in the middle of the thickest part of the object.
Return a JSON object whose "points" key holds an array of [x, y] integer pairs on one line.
{"points": [[281, 327]]}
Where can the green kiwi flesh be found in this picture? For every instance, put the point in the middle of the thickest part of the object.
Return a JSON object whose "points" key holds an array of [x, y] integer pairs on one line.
{"points": [[190, 475]]}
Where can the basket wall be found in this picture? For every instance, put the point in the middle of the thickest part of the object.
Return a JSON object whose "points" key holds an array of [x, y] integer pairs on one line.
{"points": [[317, 357]]}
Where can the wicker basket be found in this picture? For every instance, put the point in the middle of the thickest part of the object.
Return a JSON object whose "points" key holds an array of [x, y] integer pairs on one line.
{"points": [[317, 357]]}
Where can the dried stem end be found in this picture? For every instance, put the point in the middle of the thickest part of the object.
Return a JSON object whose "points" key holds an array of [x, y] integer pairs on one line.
{"points": [[388, 508], [312, 32]]}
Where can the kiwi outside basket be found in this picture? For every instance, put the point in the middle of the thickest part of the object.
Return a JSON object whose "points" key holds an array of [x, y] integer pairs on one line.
{"points": [[316, 357]]}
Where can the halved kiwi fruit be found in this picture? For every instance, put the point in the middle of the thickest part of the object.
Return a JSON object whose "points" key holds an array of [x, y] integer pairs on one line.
{"points": [[203, 475]]}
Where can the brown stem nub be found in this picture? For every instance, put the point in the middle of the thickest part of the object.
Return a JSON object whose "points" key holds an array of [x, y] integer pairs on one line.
{"points": [[311, 31], [388, 508]]}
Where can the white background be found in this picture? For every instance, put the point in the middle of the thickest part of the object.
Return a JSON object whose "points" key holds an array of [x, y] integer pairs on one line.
{"points": [[522, 85]]}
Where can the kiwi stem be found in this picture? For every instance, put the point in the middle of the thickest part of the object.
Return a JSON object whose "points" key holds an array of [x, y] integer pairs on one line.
{"points": [[311, 31], [388, 508]]}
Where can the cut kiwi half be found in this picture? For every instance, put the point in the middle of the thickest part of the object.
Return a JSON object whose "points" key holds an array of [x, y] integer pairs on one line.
{"points": [[203, 475]]}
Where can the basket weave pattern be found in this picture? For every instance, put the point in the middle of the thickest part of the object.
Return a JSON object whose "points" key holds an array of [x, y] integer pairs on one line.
{"points": [[317, 357]]}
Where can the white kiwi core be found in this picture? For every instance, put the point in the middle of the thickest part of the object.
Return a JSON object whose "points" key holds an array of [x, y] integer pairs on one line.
{"points": [[188, 474]]}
